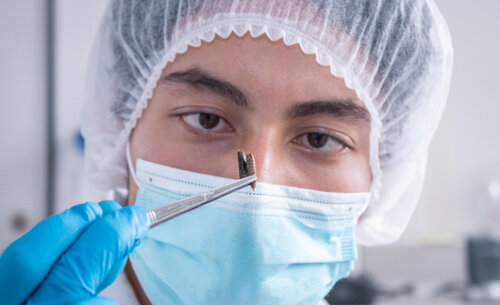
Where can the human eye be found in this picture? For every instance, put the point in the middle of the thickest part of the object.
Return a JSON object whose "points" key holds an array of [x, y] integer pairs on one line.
{"points": [[321, 143], [204, 122]]}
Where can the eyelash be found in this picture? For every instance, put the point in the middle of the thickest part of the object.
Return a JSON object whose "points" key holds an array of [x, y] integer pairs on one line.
{"points": [[303, 141], [299, 140], [184, 117]]}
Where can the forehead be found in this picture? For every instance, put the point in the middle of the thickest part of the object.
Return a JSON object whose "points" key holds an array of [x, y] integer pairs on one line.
{"points": [[265, 69]]}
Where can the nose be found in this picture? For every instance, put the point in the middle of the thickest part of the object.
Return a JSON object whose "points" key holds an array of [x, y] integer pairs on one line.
{"points": [[270, 158]]}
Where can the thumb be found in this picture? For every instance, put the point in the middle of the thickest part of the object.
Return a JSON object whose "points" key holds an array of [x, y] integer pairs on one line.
{"points": [[80, 272]]}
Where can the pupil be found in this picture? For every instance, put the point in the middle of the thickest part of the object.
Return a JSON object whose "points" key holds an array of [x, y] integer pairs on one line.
{"points": [[208, 121], [317, 140]]}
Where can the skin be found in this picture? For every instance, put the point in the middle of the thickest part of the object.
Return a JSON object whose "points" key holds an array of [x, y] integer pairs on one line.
{"points": [[273, 78]]}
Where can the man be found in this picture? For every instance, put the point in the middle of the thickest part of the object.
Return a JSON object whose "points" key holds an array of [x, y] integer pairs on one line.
{"points": [[337, 100]]}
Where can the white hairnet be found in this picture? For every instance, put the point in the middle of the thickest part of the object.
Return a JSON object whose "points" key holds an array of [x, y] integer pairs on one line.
{"points": [[396, 55]]}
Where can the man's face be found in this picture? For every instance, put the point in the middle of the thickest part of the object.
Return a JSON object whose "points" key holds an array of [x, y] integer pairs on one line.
{"points": [[304, 126]]}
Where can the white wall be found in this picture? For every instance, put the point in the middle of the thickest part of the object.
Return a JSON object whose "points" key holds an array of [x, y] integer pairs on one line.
{"points": [[77, 23], [23, 99], [22, 116], [464, 157], [465, 154]]}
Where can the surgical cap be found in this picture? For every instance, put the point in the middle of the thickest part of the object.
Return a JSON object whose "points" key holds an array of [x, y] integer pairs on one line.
{"points": [[395, 54]]}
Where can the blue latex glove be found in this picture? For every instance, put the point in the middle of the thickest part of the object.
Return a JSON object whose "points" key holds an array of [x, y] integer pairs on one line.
{"points": [[70, 257]]}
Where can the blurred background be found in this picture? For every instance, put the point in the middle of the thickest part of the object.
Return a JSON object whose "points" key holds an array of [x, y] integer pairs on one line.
{"points": [[450, 253]]}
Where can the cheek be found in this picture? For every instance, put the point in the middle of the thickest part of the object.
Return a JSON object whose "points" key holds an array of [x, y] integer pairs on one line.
{"points": [[357, 178], [348, 177], [354, 175], [184, 156]]}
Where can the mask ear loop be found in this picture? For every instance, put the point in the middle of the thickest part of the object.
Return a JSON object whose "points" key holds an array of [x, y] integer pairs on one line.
{"points": [[131, 167]]}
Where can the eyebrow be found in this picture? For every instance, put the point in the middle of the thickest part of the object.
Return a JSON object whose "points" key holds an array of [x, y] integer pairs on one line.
{"points": [[203, 80], [340, 108]]}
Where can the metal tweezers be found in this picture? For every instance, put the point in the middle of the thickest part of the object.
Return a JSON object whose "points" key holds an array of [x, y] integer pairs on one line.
{"points": [[160, 215]]}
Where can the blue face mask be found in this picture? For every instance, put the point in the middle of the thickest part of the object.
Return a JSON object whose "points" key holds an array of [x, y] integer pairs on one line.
{"points": [[274, 245]]}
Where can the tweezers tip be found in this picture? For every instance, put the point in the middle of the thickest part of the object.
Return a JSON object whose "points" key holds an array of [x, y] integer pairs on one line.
{"points": [[246, 166]]}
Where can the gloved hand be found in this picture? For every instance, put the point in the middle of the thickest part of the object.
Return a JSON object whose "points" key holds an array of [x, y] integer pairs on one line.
{"points": [[72, 256]]}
